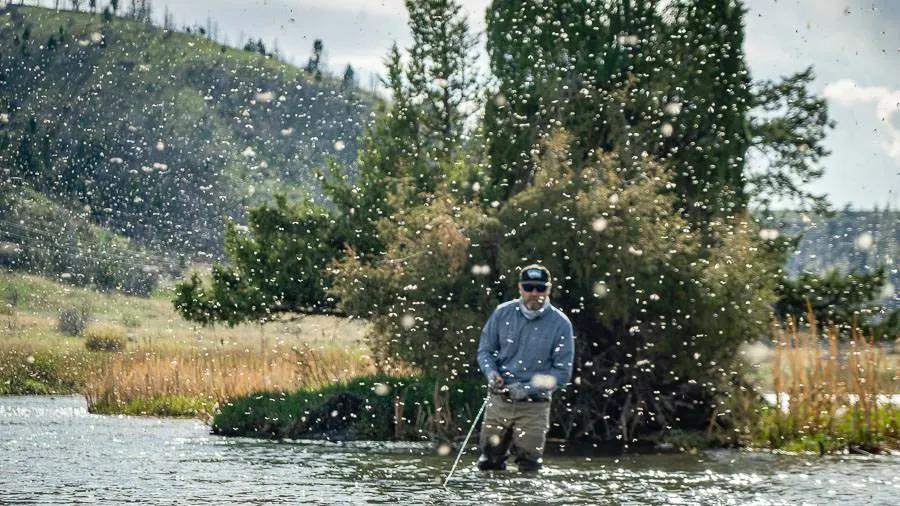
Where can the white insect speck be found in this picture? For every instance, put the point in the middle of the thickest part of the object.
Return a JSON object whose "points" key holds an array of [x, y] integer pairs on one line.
{"points": [[481, 269], [599, 224], [334, 413], [476, 186], [339, 145], [666, 130], [864, 241], [495, 204], [888, 290], [654, 297], [407, 321], [635, 251], [673, 108], [628, 40], [160, 145], [4, 118], [443, 450], [285, 132], [116, 160], [381, 389], [600, 289], [768, 234], [248, 152], [544, 381], [265, 97], [30, 359]]}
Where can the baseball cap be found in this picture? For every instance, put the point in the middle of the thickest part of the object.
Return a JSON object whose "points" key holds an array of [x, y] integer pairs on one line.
{"points": [[534, 273]]}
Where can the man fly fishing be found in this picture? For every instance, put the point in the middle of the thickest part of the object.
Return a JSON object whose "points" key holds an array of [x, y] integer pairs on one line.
{"points": [[526, 352]]}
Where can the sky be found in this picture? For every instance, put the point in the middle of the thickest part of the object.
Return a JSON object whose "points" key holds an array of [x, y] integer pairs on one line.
{"points": [[853, 45]]}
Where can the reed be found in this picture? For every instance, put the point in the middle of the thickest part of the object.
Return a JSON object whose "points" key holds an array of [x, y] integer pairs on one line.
{"points": [[146, 377], [828, 398]]}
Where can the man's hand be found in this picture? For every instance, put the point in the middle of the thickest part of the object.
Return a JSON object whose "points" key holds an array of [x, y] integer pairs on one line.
{"points": [[518, 391], [495, 382]]}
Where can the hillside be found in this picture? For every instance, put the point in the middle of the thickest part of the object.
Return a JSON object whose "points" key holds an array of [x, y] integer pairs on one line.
{"points": [[42, 237], [158, 135], [848, 241]]}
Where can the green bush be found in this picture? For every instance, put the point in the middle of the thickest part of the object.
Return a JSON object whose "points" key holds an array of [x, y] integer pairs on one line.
{"points": [[105, 339], [72, 321], [362, 408]]}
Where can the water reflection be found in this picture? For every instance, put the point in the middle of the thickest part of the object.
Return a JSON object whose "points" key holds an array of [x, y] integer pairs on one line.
{"points": [[53, 452]]}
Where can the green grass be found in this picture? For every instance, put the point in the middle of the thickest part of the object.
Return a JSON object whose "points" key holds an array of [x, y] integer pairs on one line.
{"points": [[150, 321], [849, 432], [180, 406], [25, 370], [363, 408]]}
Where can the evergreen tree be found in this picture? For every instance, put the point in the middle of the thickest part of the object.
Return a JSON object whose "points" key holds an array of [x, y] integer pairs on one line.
{"points": [[405, 157], [639, 77], [314, 64], [349, 80]]}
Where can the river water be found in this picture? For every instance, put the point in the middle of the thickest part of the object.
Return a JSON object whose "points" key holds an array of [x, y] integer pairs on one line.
{"points": [[53, 452]]}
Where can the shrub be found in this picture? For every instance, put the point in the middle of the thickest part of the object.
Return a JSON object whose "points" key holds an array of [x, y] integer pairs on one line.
{"points": [[73, 320], [105, 339], [131, 321]]}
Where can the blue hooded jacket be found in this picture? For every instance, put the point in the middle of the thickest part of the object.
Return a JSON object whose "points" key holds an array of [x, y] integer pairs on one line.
{"points": [[518, 348]]}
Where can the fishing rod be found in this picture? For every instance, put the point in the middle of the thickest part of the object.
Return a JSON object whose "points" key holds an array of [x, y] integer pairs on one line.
{"points": [[466, 442]]}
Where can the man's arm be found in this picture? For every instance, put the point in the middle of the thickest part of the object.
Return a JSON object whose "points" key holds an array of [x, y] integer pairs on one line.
{"points": [[489, 348], [561, 359], [563, 355]]}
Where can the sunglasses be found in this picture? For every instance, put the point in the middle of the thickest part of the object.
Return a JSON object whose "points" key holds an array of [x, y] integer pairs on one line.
{"points": [[534, 287]]}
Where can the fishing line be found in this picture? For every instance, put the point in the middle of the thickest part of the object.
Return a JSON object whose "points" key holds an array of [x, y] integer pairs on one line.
{"points": [[466, 442]]}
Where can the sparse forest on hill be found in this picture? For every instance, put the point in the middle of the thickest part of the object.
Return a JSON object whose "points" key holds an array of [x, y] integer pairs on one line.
{"points": [[159, 135]]}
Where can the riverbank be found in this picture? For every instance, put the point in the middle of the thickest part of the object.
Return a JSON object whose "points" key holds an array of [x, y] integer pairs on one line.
{"points": [[374, 407], [162, 365]]}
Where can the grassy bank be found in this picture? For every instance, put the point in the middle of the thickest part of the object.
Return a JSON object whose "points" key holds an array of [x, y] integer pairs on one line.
{"points": [[828, 397], [374, 407], [167, 366]]}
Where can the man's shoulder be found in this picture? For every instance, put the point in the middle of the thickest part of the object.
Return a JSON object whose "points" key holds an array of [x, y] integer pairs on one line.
{"points": [[557, 313], [510, 305]]}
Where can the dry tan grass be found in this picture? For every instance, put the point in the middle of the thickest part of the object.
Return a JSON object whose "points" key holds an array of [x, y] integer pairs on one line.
{"points": [[823, 386], [149, 373]]}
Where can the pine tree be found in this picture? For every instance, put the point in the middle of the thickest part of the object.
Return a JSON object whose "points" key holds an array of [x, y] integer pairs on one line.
{"points": [[637, 77], [349, 80]]}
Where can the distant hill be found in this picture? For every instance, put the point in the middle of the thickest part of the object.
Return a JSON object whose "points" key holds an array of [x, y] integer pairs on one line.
{"points": [[158, 135], [848, 241]]}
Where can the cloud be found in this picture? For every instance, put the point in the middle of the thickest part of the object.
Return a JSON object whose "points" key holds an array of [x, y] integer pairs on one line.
{"points": [[887, 104]]}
